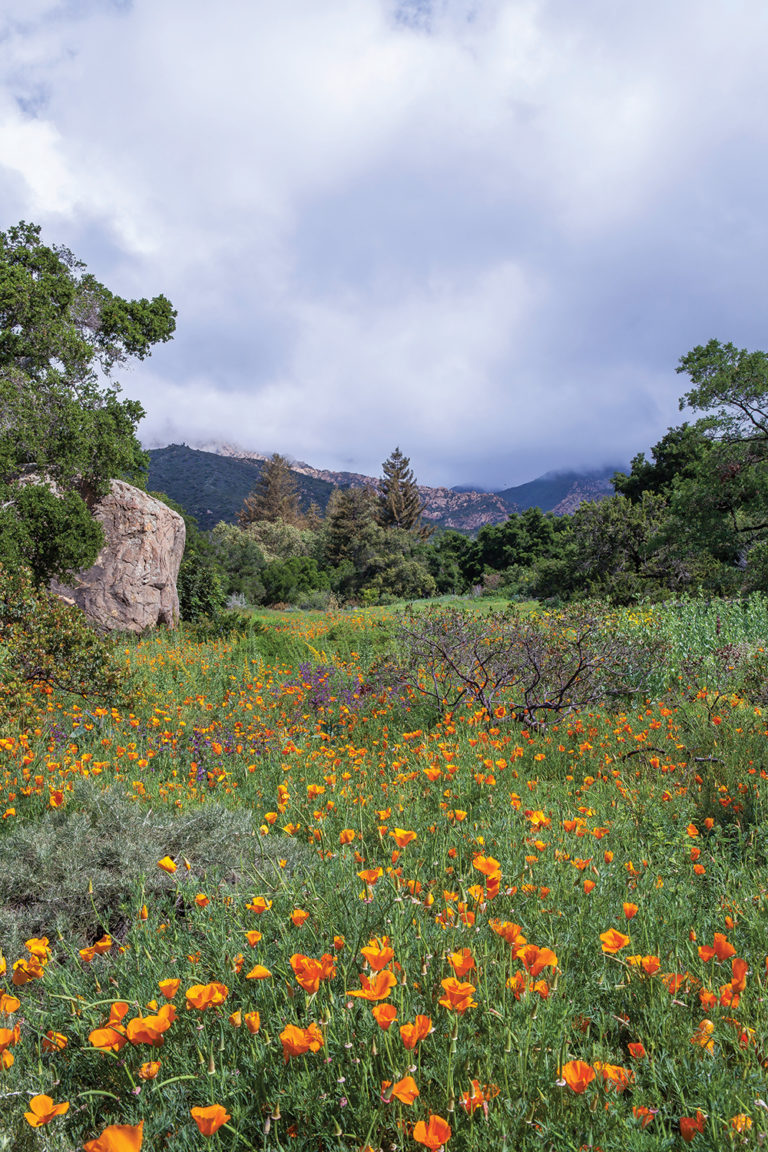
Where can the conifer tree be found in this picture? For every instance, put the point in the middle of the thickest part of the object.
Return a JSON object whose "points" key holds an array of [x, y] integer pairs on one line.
{"points": [[350, 529], [400, 504], [275, 497]]}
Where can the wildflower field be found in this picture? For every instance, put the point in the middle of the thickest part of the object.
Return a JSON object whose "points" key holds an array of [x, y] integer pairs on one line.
{"points": [[287, 903]]}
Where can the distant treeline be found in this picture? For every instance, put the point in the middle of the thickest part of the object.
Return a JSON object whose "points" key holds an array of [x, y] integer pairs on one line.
{"points": [[692, 518]]}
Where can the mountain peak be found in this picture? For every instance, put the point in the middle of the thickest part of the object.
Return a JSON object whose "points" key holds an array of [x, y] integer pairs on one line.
{"points": [[211, 481]]}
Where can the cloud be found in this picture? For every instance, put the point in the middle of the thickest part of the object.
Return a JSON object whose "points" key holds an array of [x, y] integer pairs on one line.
{"points": [[483, 231]]}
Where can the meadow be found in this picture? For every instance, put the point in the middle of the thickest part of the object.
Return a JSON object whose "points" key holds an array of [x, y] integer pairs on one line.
{"points": [[288, 903]]}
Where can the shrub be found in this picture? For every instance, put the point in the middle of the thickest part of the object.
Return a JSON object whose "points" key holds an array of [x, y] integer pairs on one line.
{"points": [[48, 644], [284, 581], [76, 869], [525, 667]]}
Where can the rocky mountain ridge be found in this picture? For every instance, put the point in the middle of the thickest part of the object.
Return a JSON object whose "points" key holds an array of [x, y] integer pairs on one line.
{"points": [[212, 479]]}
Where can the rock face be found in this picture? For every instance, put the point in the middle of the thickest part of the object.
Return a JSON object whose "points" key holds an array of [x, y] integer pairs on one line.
{"points": [[132, 585]]}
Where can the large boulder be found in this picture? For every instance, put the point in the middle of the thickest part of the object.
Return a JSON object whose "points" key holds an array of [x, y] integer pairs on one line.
{"points": [[132, 585]]}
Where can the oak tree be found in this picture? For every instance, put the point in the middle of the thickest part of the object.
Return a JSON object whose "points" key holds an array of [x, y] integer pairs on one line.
{"points": [[64, 431]]}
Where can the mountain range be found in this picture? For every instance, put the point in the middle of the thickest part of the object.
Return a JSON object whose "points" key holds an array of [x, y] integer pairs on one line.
{"points": [[212, 481]]}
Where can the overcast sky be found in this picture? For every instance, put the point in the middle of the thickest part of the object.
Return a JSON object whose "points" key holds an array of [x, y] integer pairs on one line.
{"points": [[482, 230]]}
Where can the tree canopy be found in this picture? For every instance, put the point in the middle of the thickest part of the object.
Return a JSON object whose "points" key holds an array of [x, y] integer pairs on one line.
{"points": [[64, 431], [727, 499]]}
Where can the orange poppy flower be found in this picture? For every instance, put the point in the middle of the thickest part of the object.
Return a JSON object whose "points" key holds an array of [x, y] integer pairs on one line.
{"points": [[54, 1042], [435, 1134], [614, 1074], [630, 910], [297, 1041], [578, 1075], [253, 938], [378, 952], [210, 1119], [8, 1003], [108, 1039], [402, 837], [720, 947], [703, 1036], [637, 1051], [487, 865], [204, 996], [149, 1070], [378, 988], [371, 875], [509, 932], [150, 1029], [411, 1034], [42, 1110], [478, 1097], [118, 1138], [644, 1114], [259, 904], [26, 970], [169, 988], [649, 964], [461, 962], [674, 981], [167, 864], [458, 996], [118, 1011], [535, 959], [384, 1014], [258, 972], [739, 969], [689, 1125], [346, 836], [588, 886], [252, 1022], [39, 947], [298, 916], [9, 1036], [613, 941], [518, 984], [405, 1090], [309, 972]]}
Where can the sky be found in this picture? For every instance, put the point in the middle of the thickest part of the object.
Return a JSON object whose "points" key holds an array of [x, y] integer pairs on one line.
{"points": [[484, 231]]}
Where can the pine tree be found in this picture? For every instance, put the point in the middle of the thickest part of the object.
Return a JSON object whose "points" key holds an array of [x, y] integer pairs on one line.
{"points": [[275, 497], [400, 503], [350, 530]]}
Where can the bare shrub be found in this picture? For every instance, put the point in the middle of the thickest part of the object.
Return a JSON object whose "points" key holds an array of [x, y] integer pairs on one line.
{"points": [[534, 666]]}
